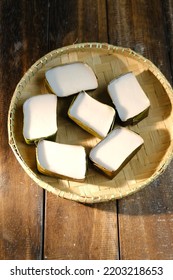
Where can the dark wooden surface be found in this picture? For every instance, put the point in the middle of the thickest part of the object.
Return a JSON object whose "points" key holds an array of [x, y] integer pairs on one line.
{"points": [[38, 225]]}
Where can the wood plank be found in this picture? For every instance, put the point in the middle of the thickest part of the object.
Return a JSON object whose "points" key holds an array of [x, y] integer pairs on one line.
{"points": [[77, 231], [145, 221], [73, 230], [77, 21], [168, 17], [23, 40], [145, 218], [139, 25]]}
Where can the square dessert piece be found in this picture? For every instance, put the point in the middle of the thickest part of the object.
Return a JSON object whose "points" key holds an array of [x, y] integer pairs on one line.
{"points": [[112, 153], [130, 100], [61, 160], [40, 117], [68, 79], [92, 115]]}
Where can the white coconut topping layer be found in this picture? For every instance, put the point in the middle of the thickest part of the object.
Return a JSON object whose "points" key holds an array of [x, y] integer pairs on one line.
{"points": [[62, 159], [40, 116], [113, 150], [92, 114], [128, 96], [72, 78]]}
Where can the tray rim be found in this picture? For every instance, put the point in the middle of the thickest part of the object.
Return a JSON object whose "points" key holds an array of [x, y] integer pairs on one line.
{"points": [[37, 66]]}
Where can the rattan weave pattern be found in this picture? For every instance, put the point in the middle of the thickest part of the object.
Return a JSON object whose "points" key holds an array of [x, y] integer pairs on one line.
{"points": [[107, 61]]}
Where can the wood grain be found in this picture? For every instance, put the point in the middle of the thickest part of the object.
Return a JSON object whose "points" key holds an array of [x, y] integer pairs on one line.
{"points": [[73, 230], [145, 227], [21, 206], [137, 227], [145, 221], [139, 26], [76, 21], [168, 19]]}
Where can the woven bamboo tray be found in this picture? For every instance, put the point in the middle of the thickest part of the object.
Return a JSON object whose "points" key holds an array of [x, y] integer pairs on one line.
{"points": [[107, 62]]}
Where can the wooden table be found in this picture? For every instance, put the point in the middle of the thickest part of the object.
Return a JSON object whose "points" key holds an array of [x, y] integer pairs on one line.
{"points": [[35, 224]]}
